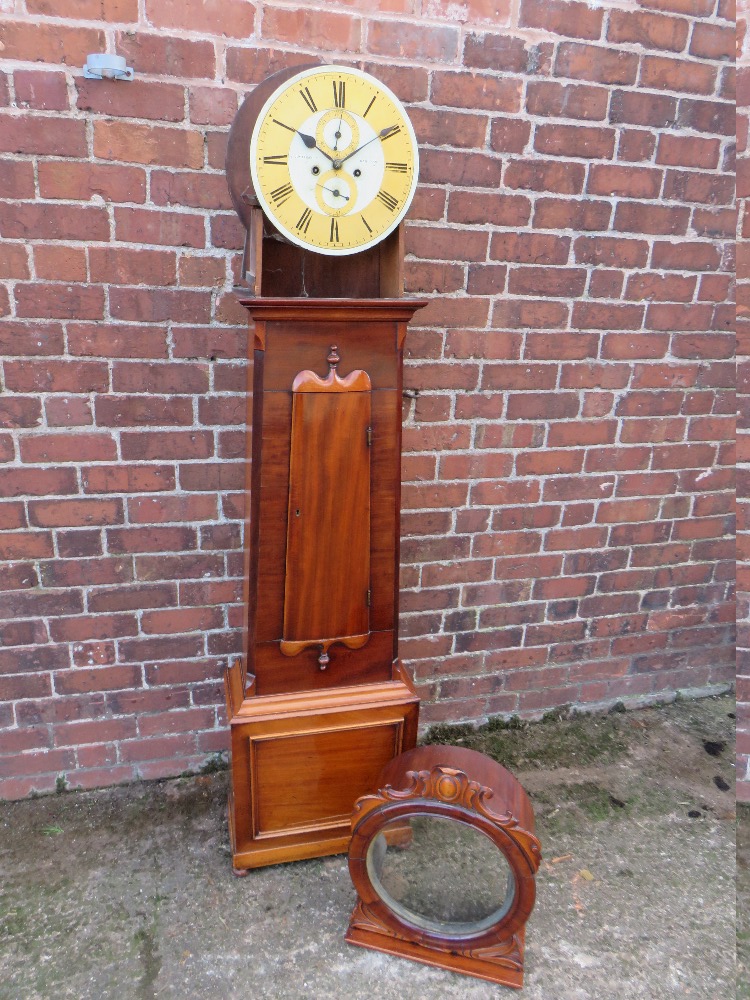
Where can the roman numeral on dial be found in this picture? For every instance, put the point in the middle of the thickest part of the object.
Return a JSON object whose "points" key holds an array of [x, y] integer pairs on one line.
{"points": [[339, 93], [398, 168], [303, 222], [388, 200], [281, 194], [276, 161], [334, 237], [308, 99]]}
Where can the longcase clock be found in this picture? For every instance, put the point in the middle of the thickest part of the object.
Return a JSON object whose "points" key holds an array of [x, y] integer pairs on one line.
{"points": [[322, 165]]}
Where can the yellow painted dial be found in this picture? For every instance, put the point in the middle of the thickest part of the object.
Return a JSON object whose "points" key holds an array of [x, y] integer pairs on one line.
{"points": [[334, 160]]}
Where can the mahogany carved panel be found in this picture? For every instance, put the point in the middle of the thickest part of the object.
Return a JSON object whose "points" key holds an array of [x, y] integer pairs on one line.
{"points": [[327, 578]]}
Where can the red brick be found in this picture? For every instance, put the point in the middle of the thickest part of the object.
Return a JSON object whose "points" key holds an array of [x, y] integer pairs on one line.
{"points": [[530, 248], [117, 341], [663, 73], [562, 17], [42, 135], [557, 100], [652, 31], [628, 182], [575, 140], [691, 186], [59, 301], [716, 117], [541, 406], [127, 479], [35, 41], [137, 225], [202, 271], [79, 543], [152, 53], [563, 282], [569, 213], [694, 8], [86, 627], [26, 545], [234, 18], [120, 266], [55, 222], [17, 179], [59, 513], [504, 53], [636, 145], [508, 135], [83, 681], [89, 10], [475, 91], [140, 99], [466, 130], [60, 263], [472, 169], [688, 151], [79, 181], [659, 287], [151, 539], [595, 63], [403, 40], [610, 251], [132, 411], [250, 65], [160, 305], [540, 175], [639, 108], [12, 515], [149, 144], [56, 376], [14, 261], [660, 220], [713, 41], [682, 317], [54, 448], [44, 91], [686, 256], [212, 105], [38, 482], [150, 445], [539, 314], [439, 244], [196, 190]]}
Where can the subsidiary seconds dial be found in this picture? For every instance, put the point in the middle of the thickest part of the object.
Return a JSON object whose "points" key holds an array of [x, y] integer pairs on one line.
{"points": [[334, 160]]}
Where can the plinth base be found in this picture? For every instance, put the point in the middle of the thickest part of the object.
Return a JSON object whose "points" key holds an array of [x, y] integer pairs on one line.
{"points": [[300, 761]]}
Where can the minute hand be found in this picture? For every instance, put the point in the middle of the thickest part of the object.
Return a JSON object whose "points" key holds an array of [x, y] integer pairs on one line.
{"points": [[382, 134]]}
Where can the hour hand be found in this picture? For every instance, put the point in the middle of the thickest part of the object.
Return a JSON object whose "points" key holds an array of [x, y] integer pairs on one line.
{"points": [[310, 142]]}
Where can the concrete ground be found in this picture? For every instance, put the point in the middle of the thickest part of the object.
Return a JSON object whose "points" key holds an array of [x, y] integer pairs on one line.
{"points": [[128, 893]]}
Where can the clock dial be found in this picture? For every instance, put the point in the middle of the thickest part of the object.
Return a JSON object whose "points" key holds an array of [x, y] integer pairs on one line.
{"points": [[334, 160]]}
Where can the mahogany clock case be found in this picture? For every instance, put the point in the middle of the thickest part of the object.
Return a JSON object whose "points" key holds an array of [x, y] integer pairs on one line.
{"points": [[318, 702]]}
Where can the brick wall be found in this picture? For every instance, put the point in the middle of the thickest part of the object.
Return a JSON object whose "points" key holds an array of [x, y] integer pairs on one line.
{"points": [[568, 418], [743, 441]]}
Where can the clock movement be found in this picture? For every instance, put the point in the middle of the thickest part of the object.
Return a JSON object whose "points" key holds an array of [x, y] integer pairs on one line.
{"points": [[322, 164]]}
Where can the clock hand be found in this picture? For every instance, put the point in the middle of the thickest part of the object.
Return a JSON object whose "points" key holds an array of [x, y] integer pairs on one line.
{"points": [[310, 142], [382, 134], [335, 192]]}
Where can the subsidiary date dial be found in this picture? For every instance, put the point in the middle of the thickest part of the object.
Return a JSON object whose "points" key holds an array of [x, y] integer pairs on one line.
{"points": [[334, 160]]}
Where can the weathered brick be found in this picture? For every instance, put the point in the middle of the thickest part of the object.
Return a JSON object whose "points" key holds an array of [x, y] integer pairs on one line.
{"points": [[652, 31], [596, 63], [42, 90], [562, 17], [556, 100], [407, 41], [43, 136], [149, 144]]}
